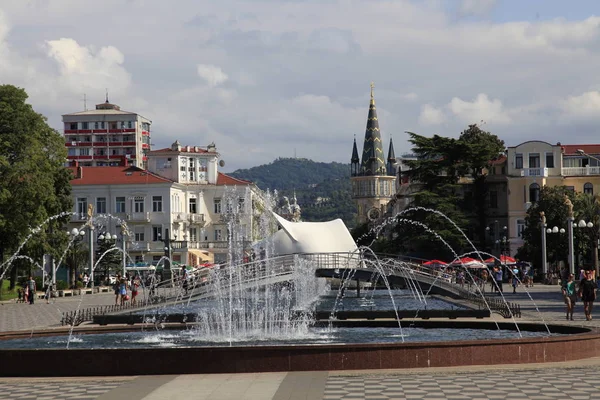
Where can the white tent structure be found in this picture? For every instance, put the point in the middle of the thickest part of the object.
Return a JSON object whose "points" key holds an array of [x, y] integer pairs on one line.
{"points": [[312, 237]]}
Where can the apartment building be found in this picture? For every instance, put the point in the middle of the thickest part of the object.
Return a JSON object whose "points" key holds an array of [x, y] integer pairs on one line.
{"points": [[534, 164], [182, 197], [107, 136]]}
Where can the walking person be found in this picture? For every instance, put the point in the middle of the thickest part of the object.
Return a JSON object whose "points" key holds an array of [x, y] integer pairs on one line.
{"points": [[570, 295], [587, 292], [515, 279], [135, 284], [116, 289], [498, 279], [32, 289], [123, 291]]}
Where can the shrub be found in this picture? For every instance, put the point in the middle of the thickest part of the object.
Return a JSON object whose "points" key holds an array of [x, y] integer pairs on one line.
{"points": [[78, 285], [61, 285]]}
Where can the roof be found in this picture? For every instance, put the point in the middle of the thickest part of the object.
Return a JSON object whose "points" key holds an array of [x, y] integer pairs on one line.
{"points": [[115, 176], [101, 112], [498, 160], [193, 149], [571, 149], [372, 162], [223, 179]]}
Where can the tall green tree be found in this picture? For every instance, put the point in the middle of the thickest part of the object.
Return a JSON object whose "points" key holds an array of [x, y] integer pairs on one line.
{"points": [[35, 184]]}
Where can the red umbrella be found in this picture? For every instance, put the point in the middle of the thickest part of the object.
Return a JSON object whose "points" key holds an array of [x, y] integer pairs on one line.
{"points": [[468, 262], [435, 263], [503, 260]]}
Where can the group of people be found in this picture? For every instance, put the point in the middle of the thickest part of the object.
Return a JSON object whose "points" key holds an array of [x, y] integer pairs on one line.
{"points": [[585, 289], [122, 285], [28, 292]]}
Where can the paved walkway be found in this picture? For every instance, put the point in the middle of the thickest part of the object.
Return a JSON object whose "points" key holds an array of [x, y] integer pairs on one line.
{"points": [[573, 380]]}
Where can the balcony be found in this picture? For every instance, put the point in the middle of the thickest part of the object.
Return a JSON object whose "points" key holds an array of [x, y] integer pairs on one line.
{"points": [[138, 217], [580, 171], [79, 217], [179, 217], [196, 219], [539, 172]]}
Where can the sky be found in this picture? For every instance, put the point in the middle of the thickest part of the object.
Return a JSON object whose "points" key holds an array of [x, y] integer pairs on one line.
{"points": [[264, 79]]}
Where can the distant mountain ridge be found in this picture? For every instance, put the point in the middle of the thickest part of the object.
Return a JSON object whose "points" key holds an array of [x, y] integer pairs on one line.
{"points": [[323, 189]]}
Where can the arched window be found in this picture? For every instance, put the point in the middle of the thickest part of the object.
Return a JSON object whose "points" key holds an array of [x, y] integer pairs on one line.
{"points": [[534, 192], [588, 188]]}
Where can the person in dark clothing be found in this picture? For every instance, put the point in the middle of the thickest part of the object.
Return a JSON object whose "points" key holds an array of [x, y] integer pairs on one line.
{"points": [[498, 278], [587, 292]]}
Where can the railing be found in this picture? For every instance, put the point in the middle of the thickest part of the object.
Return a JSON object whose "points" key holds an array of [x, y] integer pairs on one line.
{"points": [[139, 217], [534, 172], [580, 171], [196, 218]]}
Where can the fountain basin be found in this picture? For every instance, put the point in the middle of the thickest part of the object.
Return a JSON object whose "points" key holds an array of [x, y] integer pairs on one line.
{"points": [[575, 343]]}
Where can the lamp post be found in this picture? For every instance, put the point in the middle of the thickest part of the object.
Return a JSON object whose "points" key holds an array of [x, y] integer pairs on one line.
{"points": [[168, 254], [124, 234], [109, 239], [544, 255], [582, 224], [76, 237]]}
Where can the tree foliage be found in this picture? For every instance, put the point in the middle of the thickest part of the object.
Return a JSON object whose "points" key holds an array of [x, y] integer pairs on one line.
{"points": [[35, 184], [440, 168], [323, 190]]}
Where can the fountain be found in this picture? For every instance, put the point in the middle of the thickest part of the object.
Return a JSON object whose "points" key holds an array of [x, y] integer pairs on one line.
{"points": [[260, 316]]}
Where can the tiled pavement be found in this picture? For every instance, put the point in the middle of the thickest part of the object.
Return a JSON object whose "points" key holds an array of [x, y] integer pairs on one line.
{"points": [[575, 380]]}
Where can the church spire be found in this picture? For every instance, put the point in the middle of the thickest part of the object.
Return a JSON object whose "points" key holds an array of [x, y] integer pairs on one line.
{"points": [[372, 157], [391, 160], [355, 160]]}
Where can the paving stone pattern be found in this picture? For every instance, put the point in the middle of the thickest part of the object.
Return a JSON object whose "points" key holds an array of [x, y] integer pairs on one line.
{"points": [[573, 383], [55, 390]]}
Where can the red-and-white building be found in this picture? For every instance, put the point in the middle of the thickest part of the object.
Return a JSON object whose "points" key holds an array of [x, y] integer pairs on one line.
{"points": [[107, 136]]}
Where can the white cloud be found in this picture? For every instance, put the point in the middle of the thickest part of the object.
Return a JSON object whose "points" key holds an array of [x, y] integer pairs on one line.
{"points": [[480, 109], [212, 74], [431, 115], [476, 7], [586, 105]]}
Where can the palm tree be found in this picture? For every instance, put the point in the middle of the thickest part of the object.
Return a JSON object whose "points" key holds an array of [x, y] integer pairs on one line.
{"points": [[588, 209], [76, 257]]}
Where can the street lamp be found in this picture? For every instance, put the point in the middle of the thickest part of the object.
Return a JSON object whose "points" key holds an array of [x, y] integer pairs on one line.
{"points": [[76, 236], [124, 233], [109, 239], [582, 224]]}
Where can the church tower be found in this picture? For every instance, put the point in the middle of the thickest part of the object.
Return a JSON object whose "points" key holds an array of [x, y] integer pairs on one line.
{"points": [[372, 180]]}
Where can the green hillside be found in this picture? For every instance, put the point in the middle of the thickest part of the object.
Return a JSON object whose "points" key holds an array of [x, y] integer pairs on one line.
{"points": [[322, 189]]}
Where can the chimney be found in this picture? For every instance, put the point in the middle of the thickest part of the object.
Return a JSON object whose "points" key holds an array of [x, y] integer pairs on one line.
{"points": [[79, 173]]}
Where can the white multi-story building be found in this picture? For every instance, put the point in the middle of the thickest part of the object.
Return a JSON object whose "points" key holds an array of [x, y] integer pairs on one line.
{"points": [[107, 136], [181, 196]]}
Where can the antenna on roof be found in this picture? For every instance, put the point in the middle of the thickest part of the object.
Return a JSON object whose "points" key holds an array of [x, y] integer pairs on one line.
{"points": [[84, 103], [106, 95]]}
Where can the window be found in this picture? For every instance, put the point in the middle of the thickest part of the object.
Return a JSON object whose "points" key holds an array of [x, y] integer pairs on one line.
{"points": [[73, 126], [120, 204], [82, 207], [534, 192], [588, 188], [96, 125], [130, 124], [138, 204], [519, 161], [102, 125], [193, 235], [193, 209], [72, 152], [156, 233], [84, 152], [84, 125], [217, 206], [101, 205], [156, 203], [241, 207], [493, 199], [139, 233], [218, 235], [549, 160], [534, 160], [520, 227]]}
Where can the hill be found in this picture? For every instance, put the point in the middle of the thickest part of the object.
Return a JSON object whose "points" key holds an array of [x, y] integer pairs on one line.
{"points": [[323, 190]]}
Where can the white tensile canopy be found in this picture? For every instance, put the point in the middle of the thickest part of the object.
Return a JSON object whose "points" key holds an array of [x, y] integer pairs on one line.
{"points": [[312, 237]]}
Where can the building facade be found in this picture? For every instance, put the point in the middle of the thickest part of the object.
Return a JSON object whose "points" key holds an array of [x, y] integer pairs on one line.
{"points": [[534, 164], [107, 136], [373, 179], [163, 205]]}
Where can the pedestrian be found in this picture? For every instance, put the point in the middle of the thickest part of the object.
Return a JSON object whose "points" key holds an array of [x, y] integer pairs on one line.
{"points": [[123, 291], [587, 292], [134, 290], [116, 288], [515, 279], [86, 280], [570, 295], [32, 289], [498, 279]]}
